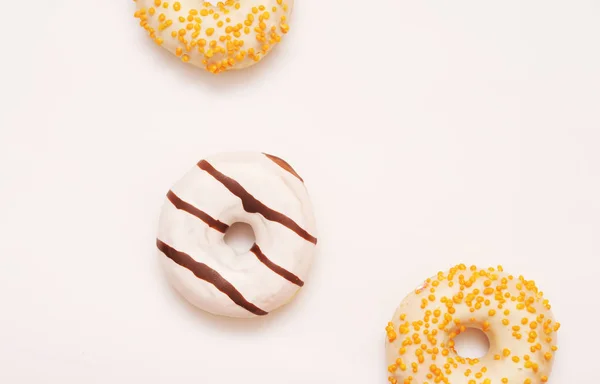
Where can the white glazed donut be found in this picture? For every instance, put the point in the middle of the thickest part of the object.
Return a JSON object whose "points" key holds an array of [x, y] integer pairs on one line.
{"points": [[232, 34], [249, 187], [511, 311]]}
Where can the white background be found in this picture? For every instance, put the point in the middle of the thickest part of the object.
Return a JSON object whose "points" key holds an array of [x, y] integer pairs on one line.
{"points": [[428, 132]]}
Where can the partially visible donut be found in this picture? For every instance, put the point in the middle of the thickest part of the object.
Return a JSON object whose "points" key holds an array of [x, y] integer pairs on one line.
{"points": [[231, 34], [510, 310], [254, 188]]}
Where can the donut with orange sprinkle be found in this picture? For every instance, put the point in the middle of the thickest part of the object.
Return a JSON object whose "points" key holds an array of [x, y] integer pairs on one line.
{"points": [[220, 36], [510, 310]]}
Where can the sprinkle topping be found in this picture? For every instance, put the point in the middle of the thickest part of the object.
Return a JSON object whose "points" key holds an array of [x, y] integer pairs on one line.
{"points": [[510, 310], [216, 37]]}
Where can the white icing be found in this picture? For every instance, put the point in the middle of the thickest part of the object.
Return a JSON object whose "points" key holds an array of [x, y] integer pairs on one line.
{"points": [[275, 27], [500, 334], [273, 186]]}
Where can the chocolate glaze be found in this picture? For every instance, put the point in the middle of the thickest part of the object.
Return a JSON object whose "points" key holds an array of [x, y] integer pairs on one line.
{"points": [[289, 276], [206, 273], [252, 205], [189, 208], [283, 164]]}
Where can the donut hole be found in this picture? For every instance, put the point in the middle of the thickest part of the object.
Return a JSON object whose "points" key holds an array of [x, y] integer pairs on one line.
{"points": [[473, 343], [240, 237]]}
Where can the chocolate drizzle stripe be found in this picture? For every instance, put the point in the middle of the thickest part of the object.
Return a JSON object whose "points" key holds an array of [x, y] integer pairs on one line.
{"points": [[289, 276], [252, 205], [206, 273], [189, 208], [283, 164]]}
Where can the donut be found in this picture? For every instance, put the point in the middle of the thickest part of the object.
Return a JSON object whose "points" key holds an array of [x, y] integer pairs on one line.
{"points": [[231, 34], [511, 311], [260, 190]]}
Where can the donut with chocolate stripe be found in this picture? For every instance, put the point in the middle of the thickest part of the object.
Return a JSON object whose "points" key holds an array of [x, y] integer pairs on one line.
{"points": [[255, 188]]}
